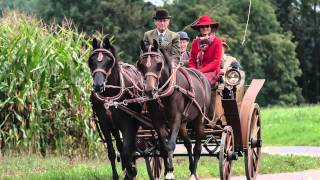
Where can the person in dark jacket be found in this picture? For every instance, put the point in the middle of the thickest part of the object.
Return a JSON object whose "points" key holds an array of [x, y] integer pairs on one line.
{"points": [[185, 54]]}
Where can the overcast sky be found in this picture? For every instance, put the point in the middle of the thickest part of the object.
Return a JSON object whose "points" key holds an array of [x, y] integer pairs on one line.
{"points": [[155, 2]]}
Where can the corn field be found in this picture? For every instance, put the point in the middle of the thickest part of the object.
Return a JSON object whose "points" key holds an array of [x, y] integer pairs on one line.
{"points": [[44, 89]]}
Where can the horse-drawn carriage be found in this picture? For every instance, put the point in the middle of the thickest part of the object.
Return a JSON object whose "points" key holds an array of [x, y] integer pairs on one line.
{"points": [[229, 128]]}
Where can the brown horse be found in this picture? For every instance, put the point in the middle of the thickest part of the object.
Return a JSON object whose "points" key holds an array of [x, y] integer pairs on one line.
{"points": [[115, 81], [182, 97]]}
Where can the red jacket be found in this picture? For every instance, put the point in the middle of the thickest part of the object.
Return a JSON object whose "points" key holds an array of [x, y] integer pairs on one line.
{"points": [[211, 58]]}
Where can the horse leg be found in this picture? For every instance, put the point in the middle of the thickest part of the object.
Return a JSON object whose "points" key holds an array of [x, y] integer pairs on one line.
{"points": [[197, 147], [171, 144], [105, 125], [111, 154], [187, 143], [106, 128], [116, 135], [130, 128], [163, 134]]}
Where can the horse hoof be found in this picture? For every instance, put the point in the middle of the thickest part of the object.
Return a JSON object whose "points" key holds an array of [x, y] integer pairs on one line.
{"points": [[193, 177], [169, 176], [127, 176]]}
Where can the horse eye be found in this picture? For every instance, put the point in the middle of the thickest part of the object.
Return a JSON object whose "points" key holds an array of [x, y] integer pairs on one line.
{"points": [[159, 66], [139, 66]]}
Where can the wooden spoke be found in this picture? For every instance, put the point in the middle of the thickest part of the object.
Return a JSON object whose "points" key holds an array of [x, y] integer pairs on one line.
{"points": [[154, 164], [226, 147], [255, 132], [253, 153]]}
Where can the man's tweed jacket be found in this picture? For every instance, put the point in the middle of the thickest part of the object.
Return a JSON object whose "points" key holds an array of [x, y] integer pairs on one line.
{"points": [[171, 42]]}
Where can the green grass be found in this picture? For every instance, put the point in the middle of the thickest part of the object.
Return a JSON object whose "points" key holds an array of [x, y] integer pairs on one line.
{"points": [[291, 126], [61, 168], [281, 126]]}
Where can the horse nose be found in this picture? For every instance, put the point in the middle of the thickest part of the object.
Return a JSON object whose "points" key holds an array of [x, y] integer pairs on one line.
{"points": [[97, 87], [149, 91]]}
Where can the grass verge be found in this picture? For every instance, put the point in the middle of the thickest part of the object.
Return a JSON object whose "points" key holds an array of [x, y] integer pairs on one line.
{"points": [[291, 126], [61, 168]]}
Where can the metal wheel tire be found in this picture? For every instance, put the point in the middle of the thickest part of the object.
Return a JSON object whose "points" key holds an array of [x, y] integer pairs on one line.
{"points": [[253, 154], [226, 153], [154, 167]]}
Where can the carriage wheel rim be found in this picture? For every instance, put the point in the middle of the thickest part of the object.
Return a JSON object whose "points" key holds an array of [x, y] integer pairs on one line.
{"points": [[226, 148], [253, 154]]}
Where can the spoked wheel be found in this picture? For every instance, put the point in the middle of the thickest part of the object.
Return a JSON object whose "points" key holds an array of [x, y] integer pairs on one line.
{"points": [[253, 153], [153, 161], [154, 166], [226, 153]]}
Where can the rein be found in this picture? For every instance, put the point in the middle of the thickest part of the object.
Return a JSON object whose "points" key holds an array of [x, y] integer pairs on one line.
{"points": [[171, 84], [110, 99]]}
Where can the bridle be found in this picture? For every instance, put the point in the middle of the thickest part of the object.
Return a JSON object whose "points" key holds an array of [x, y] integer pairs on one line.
{"points": [[158, 58], [105, 99], [100, 53]]}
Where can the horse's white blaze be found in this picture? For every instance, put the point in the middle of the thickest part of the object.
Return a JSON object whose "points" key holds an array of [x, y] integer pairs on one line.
{"points": [[100, 56], [148, 62]]}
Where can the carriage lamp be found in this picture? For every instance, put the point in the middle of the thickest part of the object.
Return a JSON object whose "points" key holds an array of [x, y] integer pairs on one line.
{"points": [[232, 77]]}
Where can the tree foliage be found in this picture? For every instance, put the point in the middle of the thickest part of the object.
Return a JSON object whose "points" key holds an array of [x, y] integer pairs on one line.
{"points": [[269, 46], [302, 18], [267, 53], [126, 19]]}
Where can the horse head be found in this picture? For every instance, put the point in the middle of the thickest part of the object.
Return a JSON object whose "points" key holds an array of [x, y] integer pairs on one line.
{"points": [[151, 65], [101, 62]]}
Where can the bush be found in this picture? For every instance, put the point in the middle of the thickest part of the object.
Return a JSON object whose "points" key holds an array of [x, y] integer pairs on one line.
{"points": [[44, 88]]}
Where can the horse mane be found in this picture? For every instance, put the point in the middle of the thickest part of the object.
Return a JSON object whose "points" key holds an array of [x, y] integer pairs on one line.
{"points": [[113, 50], [167, 59]]}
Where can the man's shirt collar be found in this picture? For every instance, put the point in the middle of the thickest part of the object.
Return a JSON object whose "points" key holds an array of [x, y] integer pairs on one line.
{"points": [[164, 33]]}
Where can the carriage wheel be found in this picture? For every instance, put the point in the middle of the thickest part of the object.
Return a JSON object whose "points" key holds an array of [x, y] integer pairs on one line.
{"points": [[154, 166], [226, 153], [253, 153]]}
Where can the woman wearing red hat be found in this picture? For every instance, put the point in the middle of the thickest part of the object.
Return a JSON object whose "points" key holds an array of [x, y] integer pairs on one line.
{"points": [[206, 51]]}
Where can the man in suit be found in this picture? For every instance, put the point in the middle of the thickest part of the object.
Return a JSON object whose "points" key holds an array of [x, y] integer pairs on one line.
{"points": [[168, 40]]}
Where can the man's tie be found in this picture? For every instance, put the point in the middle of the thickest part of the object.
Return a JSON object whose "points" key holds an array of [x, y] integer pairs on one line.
{"points": [[161, 37]]}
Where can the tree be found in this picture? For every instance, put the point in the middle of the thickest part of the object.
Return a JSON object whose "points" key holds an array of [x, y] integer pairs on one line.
{"points": [[125, 19], [25, 5], [268, 52], [302, 18], [268, 48]]}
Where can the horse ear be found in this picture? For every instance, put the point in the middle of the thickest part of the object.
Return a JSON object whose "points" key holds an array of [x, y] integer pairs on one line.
{"points": [[142, 45], [106, 43], [155, 44], [95, 43]]}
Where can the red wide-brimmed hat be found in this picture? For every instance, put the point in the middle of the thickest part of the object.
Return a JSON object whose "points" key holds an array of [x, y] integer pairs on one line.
{"points": [[204, 21]]}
